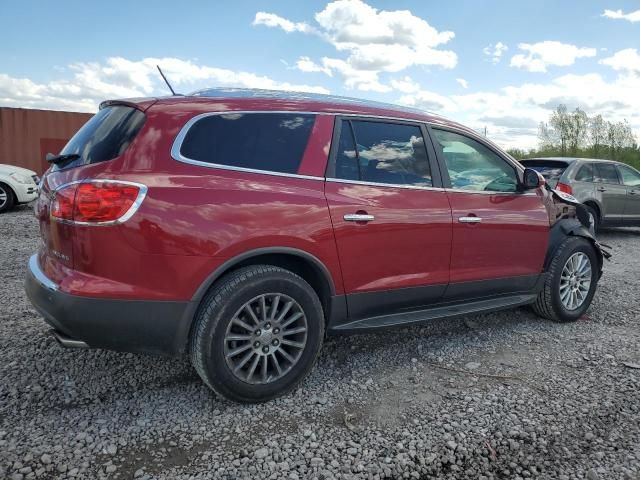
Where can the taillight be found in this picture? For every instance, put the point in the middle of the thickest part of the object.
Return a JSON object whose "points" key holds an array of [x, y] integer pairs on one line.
{"points": [[563, 187], [97, 201]]}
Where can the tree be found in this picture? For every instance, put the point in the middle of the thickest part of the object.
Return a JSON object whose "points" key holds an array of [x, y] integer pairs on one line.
{"points": [[577, 124], [597, 134]]}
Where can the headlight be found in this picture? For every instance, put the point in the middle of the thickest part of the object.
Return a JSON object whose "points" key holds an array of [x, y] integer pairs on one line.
{"points": [[21, 178]]}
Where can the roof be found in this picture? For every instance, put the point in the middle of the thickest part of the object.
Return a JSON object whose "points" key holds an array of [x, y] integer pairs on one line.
{"points": [[238, 99]]}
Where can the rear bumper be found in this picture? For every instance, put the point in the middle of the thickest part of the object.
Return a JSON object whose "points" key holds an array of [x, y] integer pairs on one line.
{"points": [[145, 326]]}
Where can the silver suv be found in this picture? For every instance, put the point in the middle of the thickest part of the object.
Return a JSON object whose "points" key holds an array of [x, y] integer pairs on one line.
{"points": [[610, 190]]}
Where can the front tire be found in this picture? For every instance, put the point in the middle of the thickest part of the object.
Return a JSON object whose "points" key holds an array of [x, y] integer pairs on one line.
{"points": [[571, 282], [257, 334], [7, 198]]}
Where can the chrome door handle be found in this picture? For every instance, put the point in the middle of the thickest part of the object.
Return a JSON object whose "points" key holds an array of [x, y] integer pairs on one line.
{"points": [[601, 189], [358, 217], [469, 219]]}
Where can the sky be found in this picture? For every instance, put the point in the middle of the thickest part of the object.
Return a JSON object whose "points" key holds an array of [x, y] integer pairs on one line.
{"points": [[495, 64]]}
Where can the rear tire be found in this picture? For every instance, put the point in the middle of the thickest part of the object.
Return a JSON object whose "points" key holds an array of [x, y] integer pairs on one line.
{"points": [[594, 217], [571, 282], [7, 198], [257, 334]]}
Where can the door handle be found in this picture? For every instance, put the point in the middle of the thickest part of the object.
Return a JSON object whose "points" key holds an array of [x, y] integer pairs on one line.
{"points": [[358, 217], [469, 219], [633, 192], [602, 189]]}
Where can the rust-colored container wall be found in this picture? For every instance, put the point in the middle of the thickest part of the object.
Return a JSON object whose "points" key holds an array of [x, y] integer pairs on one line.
{"points": [[27, 135]]}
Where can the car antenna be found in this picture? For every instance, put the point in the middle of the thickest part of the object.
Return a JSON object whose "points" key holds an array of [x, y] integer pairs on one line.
{"points": [[166, 81]]}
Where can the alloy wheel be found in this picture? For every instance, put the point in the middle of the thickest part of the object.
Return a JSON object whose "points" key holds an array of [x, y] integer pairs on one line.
{"points": [[265, 338], [575, 281], [3, 197]]}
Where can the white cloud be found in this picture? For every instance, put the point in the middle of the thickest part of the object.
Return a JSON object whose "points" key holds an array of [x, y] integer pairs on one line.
{"points": [[511, 114], [495, 52], [305, 64], [619, 15], [625, 60], [541, 55], [462, 82], [117, 77], [275, 21], [372, 40], [405, 85]]}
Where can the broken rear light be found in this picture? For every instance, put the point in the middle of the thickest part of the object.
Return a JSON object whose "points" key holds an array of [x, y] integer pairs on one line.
{"points": [[97, 201]]}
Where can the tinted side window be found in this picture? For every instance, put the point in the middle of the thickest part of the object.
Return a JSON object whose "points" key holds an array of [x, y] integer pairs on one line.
{"points": [[105, 136], [472, 166], [346, 157], [386, 153], [585, 173], [260, 141], [606, 173], [630, 177]]}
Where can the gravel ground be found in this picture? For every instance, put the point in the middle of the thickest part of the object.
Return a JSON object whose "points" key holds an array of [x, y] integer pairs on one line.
{"points": [[502, 396]]}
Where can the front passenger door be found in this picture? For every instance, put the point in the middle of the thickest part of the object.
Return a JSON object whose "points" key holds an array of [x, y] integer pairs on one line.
{"points": [[500, 233]]}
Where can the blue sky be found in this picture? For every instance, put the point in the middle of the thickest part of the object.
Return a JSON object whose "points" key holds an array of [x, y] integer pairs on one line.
{"points": [[441, 56]]}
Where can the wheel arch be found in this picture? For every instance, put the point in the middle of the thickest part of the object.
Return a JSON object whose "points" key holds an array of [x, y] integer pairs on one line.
{"points": [[302, 263], [563, 230]]}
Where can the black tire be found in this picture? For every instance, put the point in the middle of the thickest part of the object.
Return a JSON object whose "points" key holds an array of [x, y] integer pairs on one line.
{"points": [[549, 304], [10, 198], [218, 309], [596, 217]]}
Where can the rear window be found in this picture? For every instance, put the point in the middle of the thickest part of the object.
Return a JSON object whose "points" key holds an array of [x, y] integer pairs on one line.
{"points": [[259, 141], [105, 136], [550, 170]]}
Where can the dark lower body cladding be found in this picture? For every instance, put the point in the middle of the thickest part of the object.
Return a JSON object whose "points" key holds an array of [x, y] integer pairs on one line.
{"points": [[160, 327]]}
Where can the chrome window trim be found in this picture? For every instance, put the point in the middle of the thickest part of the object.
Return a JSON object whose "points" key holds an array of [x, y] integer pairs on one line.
{"points": [[177, 144], [377, 184], [484, 192], [37, 272], [176, 154], [128, 214]]}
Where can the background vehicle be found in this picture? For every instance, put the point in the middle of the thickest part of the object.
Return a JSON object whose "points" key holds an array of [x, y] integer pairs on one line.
{"points": [[610, 190], [240, 226], [17, 185]]}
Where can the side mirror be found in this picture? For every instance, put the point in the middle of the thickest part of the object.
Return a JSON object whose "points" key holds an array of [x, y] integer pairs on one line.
{"points": [[532, 179]]}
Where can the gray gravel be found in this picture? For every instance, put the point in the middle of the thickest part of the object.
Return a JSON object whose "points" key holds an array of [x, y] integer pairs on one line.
{"points": [[502, 396]]}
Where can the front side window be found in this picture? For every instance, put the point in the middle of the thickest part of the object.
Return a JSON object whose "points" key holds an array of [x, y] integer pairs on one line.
{"points": [[379, 152], [259, 141], [606, 173], [472, 166], [585, 174], [630, 177]]}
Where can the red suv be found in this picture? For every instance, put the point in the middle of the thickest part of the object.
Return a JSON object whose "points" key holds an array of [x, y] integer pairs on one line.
{"points": [[241, 226]]}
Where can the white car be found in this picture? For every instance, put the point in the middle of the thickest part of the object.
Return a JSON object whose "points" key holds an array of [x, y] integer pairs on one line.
{"points": [[17, 185]]}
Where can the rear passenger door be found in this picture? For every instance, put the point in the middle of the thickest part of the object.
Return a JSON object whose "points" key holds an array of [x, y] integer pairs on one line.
{"points": [[391, 217], [612, 194], [582, 185], [631, 180]]}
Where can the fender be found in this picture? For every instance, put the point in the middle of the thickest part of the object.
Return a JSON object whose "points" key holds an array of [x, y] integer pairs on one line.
{"points": [[567, 227]]}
